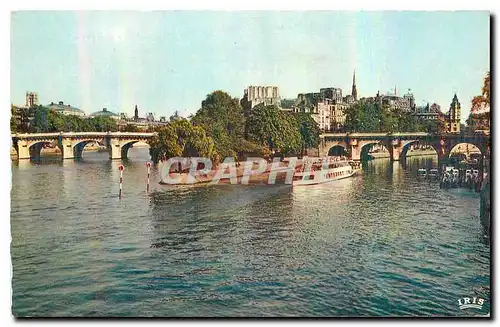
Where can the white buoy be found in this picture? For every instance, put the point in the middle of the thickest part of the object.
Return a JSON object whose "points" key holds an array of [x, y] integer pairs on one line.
{"points": [[122, 168], [148, 164]]}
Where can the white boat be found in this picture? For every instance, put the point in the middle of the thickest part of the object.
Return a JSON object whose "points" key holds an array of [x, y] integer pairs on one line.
{"points": [[322, 170], [422, 172]]}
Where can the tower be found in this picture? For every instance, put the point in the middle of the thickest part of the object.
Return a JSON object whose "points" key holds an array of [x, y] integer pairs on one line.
{"points": [[136, 113], [31, 99], [354, 92], [454, 116]]}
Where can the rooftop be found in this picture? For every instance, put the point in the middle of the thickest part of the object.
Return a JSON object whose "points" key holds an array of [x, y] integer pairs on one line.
{"points": [[61, 107], [104, 112]]}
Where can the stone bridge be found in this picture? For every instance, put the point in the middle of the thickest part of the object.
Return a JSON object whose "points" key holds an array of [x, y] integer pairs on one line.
{"points": [[71, 144], [357, 145]]}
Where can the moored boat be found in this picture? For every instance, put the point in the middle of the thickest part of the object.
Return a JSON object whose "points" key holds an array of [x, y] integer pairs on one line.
{"points": [[322, 170], [422, 172]]}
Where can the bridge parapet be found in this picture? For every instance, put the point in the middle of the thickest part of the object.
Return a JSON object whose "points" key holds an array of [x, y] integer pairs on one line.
{"points": [[71, 144]]}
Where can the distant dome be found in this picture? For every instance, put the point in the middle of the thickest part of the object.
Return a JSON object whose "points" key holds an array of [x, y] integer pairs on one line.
{"points": [[65, 109], [105, 113]]}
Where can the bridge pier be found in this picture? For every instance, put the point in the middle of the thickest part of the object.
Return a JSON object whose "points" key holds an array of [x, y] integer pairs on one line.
{"points": [[23, 150], [115, 149], [395, 150], [66, 146]]}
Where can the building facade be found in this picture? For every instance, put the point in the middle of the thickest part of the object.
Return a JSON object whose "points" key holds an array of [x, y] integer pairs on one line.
{"points": [[255, 95], [329, 114], [394, 102], [428, 112], [332, 93]]}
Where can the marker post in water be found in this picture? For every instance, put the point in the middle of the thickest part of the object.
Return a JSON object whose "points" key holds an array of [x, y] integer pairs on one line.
{"points": [[121, 179], [148, 164]]}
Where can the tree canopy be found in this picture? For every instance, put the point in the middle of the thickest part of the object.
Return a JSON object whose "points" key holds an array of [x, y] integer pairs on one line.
{"points": [[222, 118], [274, 128], [309, 130], [482, 102], [369, 116], [180, 138], [40, 119]]}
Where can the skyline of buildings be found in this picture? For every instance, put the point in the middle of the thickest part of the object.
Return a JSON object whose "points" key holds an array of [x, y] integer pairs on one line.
{"points": [[254, 95], [116, 60], [325, 106]]}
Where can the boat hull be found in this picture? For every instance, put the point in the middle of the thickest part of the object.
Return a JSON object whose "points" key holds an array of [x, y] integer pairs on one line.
{"points": [[316, 181]]}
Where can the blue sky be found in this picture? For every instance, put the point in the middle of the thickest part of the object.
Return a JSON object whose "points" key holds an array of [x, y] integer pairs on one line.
{"points": [[167, 61]]}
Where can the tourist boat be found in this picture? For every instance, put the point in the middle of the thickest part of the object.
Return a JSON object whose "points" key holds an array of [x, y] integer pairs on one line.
{"points": [[323, 170], [422, 172]]}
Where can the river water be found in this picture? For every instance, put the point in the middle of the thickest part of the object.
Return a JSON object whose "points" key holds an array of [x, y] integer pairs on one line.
{"points": [[380, 244]]}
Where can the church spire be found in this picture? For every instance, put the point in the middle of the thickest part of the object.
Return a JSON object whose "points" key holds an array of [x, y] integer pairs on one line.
{"points": [[354, 92]]}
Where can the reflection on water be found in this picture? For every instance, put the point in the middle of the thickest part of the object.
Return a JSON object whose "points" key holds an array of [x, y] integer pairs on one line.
{"points": [[381, 243]]}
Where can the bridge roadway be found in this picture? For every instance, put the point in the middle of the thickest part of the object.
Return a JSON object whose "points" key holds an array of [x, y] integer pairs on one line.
{"points": [[356, 145], [71, 144]]}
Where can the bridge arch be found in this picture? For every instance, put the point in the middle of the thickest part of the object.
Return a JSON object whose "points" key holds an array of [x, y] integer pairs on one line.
{"points": [[79, 146], [36, 148], [126, 147], [329, 144], [467, 146], [338, 150], [32, 148], [366, 146], [410, 144]]}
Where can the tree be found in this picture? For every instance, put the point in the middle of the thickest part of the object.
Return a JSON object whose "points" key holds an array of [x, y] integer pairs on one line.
{"points": [[24, 115], [367, 116], [309, 130], [13, 120], [103, 124], [482, 101], [223, 120], [271, 127], [179, 138], [479, 118], [131, 128]]}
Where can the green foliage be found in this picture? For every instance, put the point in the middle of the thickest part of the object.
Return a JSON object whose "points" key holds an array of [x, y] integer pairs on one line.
{"points": [[368, 116], [13, 120], [180, 138], [222, 118], [271, 127], [40, 119], [309, 130], [131, 128]]}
